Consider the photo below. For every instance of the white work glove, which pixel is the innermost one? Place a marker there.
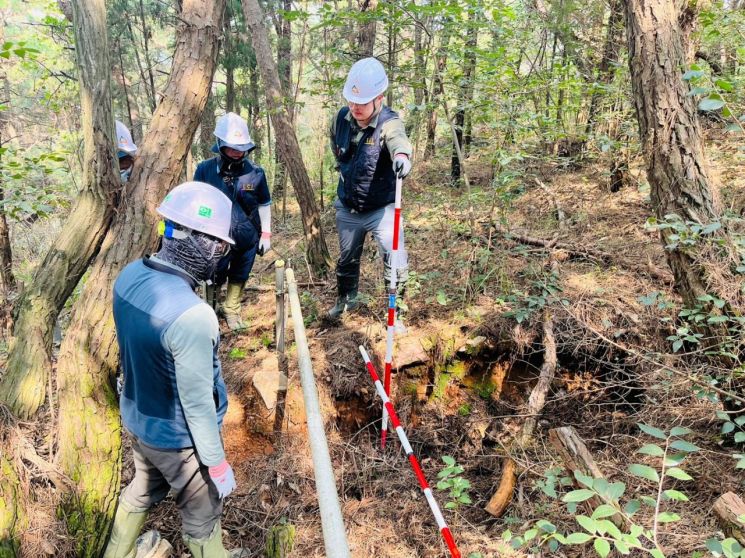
(265, 243)
(401, 165)
(223, 478)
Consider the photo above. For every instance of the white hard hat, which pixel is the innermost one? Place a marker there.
(232, 131)
(124, 142)
(199, 207)
(366, 80)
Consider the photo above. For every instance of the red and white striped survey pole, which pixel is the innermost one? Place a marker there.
(444, 529)
(392, 293)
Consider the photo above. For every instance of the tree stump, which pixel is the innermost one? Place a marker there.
(728, 508)
(280, 540)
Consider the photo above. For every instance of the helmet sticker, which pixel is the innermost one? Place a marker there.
(355, 90)
(205, 211)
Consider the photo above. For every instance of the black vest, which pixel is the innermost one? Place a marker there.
(366, 180)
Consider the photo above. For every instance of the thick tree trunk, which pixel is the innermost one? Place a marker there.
(367, 30)
(12, 518)
(284, 69)
(287, 144)
(88, 433)
(207, 128)
(669, 130)
(465, 95)
(23, 388)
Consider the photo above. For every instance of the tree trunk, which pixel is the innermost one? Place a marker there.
(23, 388)
(12, 518)
(287, 144)
(257, 123)
(207, 128)
(439, 68)
(133, 108)
(89, 427)
(669, 131)
(284, 69)
(465, 94)
(367, 30)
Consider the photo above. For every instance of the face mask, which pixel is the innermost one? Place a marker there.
(195, 253)
(125, 174)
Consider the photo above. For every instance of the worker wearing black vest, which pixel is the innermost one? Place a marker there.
(371, 148)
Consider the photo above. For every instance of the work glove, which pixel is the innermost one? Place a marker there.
(265, 243)
(401, 165)
(223, 478)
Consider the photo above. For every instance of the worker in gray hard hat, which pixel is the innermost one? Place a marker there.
(245, 184)
(371, 149)
(125, 151)
(174, 397)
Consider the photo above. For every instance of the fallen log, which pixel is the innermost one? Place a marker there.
(577, 457)
(728, 509)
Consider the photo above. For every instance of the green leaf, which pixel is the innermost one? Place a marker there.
(651, 449)
(442, 298)
(587, 523)
(449, 461)
(710, 104)
(739, 437)
(673, 459)
(644, 471)
(680, 431)
(602, 547)
(676, 495)
(616, 490)
(724, 85)
(632, 507)
(682, 445)
(604, 510)
(679, 474)
(584, 479)
(546, 526)
(609, 527)
(578, 495)
(622, 547)
(578, 538)
(668, 517)
(530, 534)
(652, 431)
(714, 546)
(648, 501)
(656, 553)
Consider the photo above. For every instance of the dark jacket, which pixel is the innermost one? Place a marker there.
(366, 179)
(247, 188)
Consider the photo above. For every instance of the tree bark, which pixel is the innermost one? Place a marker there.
(207, 128)
(89, 429)
(367, 30)
(727, 509)
(287, 143)
(437, 72)
(669, 131)
(23, 388)
(465, 94)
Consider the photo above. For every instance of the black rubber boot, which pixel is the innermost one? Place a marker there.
(346, 299)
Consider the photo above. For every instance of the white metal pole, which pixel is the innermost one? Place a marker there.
(334, 533)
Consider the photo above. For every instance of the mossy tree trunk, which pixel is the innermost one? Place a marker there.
(287, 143)
(23, 387)
(89, 427)
(11, 515)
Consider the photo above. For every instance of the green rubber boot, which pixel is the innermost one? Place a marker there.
(232, 306)
(127, 524)
(212, 547)
(210, 296)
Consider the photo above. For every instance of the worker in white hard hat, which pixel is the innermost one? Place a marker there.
(371, 149)
(125, 151)
(245, 184)
(174, 397)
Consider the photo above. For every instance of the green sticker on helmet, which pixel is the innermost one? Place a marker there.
(205, 211)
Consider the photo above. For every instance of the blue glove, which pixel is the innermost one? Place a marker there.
(223, 478)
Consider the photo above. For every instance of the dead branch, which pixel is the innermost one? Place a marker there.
(577, 457)
(501, 498)
(537, 398)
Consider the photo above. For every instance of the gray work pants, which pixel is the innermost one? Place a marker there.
(158, 471)
(353, 227)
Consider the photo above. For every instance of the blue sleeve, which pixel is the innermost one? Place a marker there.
(192, 338)
(199, 173)
(263, 197)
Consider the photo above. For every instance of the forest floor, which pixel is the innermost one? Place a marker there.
(464, 370)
